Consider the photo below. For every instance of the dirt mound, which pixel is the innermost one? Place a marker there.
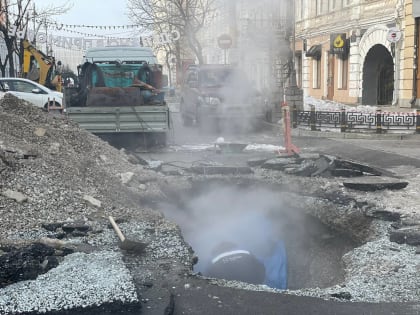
(51, 170)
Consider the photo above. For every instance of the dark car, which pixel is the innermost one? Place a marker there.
(212, 94)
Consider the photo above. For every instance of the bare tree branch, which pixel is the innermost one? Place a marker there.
(188, 17)
(17, 16)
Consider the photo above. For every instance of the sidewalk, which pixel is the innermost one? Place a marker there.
(372, 135)
(386, 150)
(411, 135)
(382, 150)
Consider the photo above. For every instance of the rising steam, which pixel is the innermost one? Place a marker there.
(247, 217)
(261, 50)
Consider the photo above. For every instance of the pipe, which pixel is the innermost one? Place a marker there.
(416, 34)
(396, 91)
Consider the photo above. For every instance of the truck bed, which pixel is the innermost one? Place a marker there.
(125, 119)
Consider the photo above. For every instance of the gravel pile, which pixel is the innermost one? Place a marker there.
(53, 171)
(58, 169)
(378, 271)
(100, 277)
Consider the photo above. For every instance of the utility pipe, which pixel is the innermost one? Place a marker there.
(415, 61)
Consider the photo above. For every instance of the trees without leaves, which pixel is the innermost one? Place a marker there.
(17, 15)
(188, 17)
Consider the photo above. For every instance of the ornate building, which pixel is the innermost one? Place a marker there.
(357, 51)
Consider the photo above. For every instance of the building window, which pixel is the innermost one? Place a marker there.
(335, 4)
(343, 71)
(298, 68)
(316, 73)
(321, 6)
(299, 7)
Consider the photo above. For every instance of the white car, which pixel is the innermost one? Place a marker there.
(32, 92)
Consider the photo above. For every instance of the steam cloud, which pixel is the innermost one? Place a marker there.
(246, 217)
(261, 50)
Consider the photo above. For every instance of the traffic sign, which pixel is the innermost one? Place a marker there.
(394, 35)
(224, 41)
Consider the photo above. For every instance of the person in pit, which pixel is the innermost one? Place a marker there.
(233, 262)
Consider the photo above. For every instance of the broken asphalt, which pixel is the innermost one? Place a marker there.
(385, 151)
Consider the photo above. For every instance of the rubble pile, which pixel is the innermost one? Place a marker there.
(54, 171)
(58, 185)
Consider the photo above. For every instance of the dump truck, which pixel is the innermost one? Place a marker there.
(119, 93)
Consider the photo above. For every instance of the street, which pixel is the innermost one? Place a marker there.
(191, 145)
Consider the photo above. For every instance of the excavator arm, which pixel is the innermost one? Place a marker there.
(39, 67)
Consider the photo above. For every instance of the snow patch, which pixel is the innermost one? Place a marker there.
(263, 147)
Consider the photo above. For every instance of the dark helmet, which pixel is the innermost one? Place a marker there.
(239, 265)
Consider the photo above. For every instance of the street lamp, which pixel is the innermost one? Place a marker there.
(292, 80)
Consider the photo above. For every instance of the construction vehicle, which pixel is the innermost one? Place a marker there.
(40, 67)
(218, 95)
(119, 92)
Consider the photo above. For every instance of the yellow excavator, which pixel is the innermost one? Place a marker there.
(40, 68)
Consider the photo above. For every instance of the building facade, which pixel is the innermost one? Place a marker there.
(357, 51)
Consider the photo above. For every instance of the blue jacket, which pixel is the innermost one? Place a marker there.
(276, 267)
(262, 241)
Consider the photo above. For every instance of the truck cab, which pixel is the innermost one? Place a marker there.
(214, 94)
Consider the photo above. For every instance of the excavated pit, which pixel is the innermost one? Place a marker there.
(211, 213)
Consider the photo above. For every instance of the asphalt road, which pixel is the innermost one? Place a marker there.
(386, 151)
(211, 300)
(202, 298)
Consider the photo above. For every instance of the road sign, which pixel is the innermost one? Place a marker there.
(224, 41)
(394, 35)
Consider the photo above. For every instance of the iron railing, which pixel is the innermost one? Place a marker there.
(348, 121)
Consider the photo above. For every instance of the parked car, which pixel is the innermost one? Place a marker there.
(220, 95)
(32, 92)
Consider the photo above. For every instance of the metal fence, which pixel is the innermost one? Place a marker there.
(348, 121)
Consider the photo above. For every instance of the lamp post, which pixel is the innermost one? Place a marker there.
(290, 148)
(292, 80)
